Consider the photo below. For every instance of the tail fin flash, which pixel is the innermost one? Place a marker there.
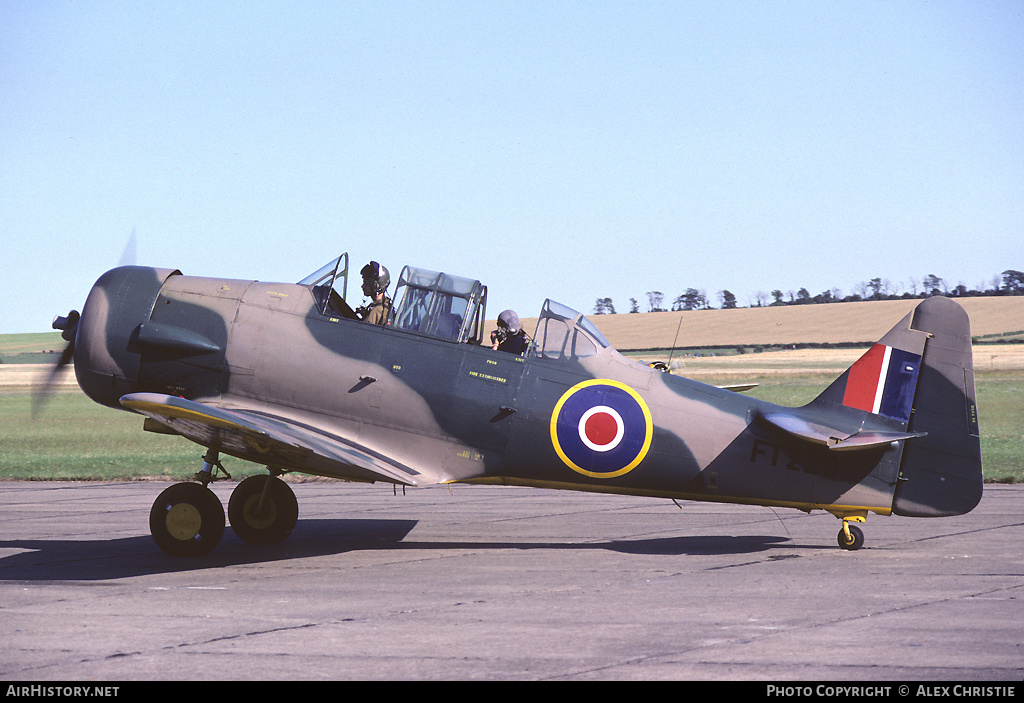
(883, 382)
(920, 378)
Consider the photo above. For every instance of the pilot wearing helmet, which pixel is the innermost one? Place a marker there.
(509, 337)
(375, 283)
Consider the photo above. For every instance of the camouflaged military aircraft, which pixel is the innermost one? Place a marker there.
(289, 377)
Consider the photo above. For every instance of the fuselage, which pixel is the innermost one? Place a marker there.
(572, 414)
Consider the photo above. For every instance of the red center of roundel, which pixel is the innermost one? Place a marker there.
(601, 428)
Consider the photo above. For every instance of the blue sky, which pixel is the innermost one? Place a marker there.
(571, 150)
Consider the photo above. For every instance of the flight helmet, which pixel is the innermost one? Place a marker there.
(376, 279)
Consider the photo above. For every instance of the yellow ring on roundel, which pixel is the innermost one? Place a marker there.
(648, 436)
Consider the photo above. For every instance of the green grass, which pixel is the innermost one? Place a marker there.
(75, 439)
(34, 348)
(1001, 419)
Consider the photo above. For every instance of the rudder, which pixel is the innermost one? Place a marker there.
(940, 473)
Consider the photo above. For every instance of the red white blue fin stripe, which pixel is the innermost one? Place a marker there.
(883, 382)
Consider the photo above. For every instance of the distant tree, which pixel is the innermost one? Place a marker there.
(1013, 282)
(803, 297)
(760, 297)
(692, 299)
(777, 294)
(654, 298)
(633, 305)
(604, 306)
(728, 300)
(933, 285)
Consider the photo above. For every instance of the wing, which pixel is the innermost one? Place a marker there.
(273, 441)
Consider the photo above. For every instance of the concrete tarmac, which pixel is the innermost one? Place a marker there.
(485, 582)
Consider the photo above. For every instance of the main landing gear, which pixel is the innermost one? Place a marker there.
(187, 519)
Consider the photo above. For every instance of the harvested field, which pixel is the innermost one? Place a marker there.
(987, 357)
(837, 323)
(28, 377)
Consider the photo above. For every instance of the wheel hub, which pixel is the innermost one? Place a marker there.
(183, 521)
(257, 518)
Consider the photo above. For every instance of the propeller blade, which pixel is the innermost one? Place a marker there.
(69, 329)
(129, 255)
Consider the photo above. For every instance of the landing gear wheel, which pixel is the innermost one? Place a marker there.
(270, 523)
(854, 542)
(187, 520)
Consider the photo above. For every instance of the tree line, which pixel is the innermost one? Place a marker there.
(1010, 282)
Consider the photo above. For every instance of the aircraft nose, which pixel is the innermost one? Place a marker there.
(106, 353)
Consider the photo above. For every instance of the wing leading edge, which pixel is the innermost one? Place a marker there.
(272, 441)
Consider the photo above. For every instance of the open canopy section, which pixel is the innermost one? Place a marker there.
(564, 333)
(439, 305)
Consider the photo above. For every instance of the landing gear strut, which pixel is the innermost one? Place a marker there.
(851, 537)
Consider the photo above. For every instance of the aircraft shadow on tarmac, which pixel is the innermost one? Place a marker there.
(92, 560)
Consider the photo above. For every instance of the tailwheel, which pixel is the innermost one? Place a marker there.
(187, 520)
(263, 510)
(851, 537)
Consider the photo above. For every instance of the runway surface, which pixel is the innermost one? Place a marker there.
(507, 583)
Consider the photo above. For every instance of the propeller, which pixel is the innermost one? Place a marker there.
(69, 330)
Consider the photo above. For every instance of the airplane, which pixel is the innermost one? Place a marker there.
(290, 377)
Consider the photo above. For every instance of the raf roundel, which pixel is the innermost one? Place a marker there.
(601, 428)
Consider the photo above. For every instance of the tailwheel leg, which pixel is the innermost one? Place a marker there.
(850, 537)
(263, 510)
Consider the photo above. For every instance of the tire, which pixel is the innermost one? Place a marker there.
(187, 520)
(274, 522)
(856, 543)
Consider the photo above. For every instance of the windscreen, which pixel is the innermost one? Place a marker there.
(565, 333)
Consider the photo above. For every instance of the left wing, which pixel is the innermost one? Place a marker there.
(273, 441)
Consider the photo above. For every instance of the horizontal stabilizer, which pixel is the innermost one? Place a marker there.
(834, 438)
(739, 387)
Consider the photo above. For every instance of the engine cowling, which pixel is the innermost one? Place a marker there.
(107, 350)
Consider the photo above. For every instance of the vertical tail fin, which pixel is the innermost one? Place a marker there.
(920, 378)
